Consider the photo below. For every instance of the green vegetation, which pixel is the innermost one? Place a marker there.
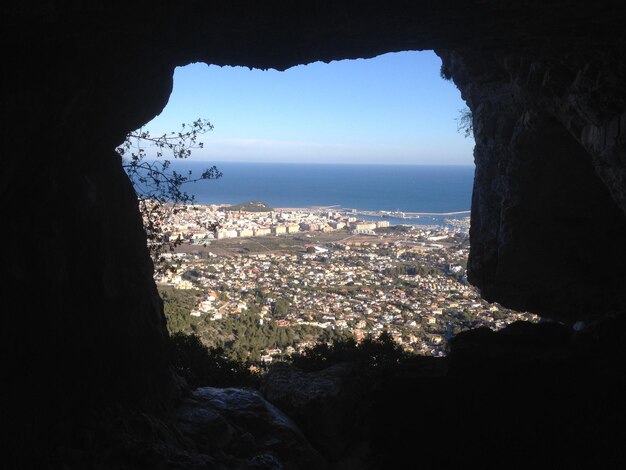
(243, 337)
(223, 352)
(219, 353)
(202, 366)
(177, 305)
(192, 274)
(250, 206)
(280, 308)
(411, 269)
(251, 336)
(246, 336)
(371, 353)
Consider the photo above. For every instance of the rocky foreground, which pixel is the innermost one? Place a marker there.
(523, 397)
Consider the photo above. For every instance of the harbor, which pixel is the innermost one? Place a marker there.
(406, 215)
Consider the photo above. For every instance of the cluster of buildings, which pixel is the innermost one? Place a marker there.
(198, 223)
(412, 285)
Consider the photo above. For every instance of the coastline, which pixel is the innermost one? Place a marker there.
(410, 214)
(379, 213)
(452, 219)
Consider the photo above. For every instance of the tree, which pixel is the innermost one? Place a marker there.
(159, 188)
(371, 354)
(280, 308)
(465, 122)
(202, 366)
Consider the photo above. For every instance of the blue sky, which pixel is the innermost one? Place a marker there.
(394, 108)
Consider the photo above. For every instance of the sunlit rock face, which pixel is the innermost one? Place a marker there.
(543, 79)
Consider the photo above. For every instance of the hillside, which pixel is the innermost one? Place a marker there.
(250, 206)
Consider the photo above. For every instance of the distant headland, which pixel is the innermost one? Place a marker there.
(250, 206)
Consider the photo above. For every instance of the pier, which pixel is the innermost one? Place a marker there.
(405, 215)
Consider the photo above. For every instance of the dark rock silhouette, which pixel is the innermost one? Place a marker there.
(545, 83)
(530, 396)
(547, 218)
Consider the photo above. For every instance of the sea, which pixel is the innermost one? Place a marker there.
(393, 188)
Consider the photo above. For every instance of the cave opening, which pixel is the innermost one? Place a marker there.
(335, 152)
(545, 84)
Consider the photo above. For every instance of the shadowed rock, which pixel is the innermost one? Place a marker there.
(240, 429)
(544, 80)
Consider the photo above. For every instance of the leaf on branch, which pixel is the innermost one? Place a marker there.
(158, 188)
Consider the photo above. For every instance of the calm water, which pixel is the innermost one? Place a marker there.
(409, 188)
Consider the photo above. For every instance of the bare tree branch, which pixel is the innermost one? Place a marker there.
(465, 123)
(160, 189)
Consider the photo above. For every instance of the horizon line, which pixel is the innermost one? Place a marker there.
(328, 163)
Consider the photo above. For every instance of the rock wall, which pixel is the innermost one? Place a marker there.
(544, 80)
(547, 211)
(83, 325)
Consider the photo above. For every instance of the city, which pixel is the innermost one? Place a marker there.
(329, 271)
